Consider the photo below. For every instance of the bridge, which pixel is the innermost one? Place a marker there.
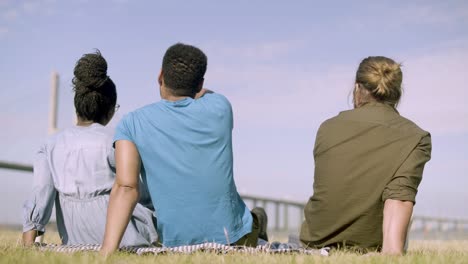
(285, 216)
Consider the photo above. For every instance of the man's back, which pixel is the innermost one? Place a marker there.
(186, 152)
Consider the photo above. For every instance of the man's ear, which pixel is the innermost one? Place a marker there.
(160, 78)
(200, 86)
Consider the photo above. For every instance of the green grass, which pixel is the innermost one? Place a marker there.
(419, 252)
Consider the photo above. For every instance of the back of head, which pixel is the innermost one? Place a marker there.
(95, 92)
(183, 69)
(382, 78)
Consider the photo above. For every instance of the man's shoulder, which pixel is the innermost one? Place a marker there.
(142, 111)
(214, 102)
(149, 107)
(212, 96)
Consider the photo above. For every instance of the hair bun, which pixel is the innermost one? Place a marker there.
(389, 74)
(90, 71)
(382, 77)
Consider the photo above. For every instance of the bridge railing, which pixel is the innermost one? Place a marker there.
(283, 215)
(287, 216)
(421, 226)
(15, 166)
(430, 224)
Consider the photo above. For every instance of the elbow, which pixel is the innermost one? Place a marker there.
(130, 192)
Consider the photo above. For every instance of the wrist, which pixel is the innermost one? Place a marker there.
(106, 250)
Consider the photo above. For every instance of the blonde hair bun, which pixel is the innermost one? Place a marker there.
(382, 77)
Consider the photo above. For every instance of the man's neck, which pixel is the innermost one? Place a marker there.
(173, 98)
(168, 96)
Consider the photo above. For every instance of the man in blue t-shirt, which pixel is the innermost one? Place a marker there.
(182, 146)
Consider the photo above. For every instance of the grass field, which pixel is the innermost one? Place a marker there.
(419, 252)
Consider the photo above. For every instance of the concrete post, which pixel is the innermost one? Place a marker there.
(53, 103)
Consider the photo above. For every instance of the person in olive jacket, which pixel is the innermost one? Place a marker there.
(369, 162)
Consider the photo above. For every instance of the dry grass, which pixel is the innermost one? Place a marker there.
(419, 252)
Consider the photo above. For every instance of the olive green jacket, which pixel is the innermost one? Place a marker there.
(362, 157)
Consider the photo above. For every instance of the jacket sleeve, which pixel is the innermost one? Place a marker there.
(37, 209)
(404, 184)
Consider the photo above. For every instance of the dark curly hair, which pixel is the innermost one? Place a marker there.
(183, 69)
(95, 92)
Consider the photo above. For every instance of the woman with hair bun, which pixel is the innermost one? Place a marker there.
(75, 168)
(369, 162)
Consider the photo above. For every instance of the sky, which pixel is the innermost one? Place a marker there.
(285, 66)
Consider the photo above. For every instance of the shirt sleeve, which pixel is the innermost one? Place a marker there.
(223, 103)
(404, 184)
(111, 159)
(231, 114)
(38, 207)
(124, 129)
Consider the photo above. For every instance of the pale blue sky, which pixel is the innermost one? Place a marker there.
(285, 66)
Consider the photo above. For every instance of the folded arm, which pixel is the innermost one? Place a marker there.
(124, 195)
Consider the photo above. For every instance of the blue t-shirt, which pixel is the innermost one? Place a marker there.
(186, 152)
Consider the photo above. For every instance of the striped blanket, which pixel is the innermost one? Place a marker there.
(269, 248)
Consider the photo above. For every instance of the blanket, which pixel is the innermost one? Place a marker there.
(269, 248)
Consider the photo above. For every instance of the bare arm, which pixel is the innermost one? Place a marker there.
(397, 216)
(124, 195)
(400, 195)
